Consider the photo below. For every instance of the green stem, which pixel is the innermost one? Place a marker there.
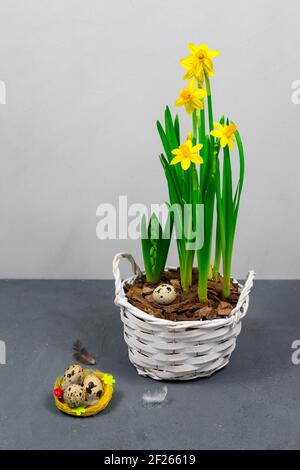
(202, 275)
(185, 281)
(228, 220)
(226, 276)
(218, 250)
(202, 291)
(209, 103)
(186, 269)
(201, 124)
(204, 255)
(194, 126)
(186, 265)
(202, 127)
(202, 140)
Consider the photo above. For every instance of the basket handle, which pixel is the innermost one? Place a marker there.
(246, 290)
(116, 270)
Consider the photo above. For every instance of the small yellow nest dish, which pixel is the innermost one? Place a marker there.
(107, 391)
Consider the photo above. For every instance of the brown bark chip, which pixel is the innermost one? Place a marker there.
(176, 283)
(146, 290)
(224, 309)
(186, 306)
(203, 312)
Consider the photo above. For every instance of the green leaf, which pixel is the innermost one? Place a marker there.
(220, 209)
(227, 193)
(146, 246)
(174, 188)
(164, 141)
(155, 246)
(177, 129)
(241, 178)
(170, 131)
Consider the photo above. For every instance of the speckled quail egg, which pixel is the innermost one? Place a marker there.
(73, 375)
(92, 388)
(74, 395)
(164, 294)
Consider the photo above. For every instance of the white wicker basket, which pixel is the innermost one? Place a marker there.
(182, 350)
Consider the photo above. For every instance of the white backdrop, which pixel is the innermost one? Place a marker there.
(85, 82)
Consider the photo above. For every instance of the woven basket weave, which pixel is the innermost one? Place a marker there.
(182, 350)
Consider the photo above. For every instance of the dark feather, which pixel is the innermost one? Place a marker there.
(82, 355)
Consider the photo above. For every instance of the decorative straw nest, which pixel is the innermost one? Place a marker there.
(107, 391)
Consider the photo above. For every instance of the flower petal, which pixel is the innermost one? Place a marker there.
(203, 47)
(230, 144)
(186, 62)
(218, 125)
(189, 74)
(200, 93)
(176, 160)
(179, 102)
(196, 159)
(188, 144)
(217, 134)
(185, 163)
(197, 103)
(224, 141)
(196, 148)
(208, 65)
(192, 47)
(192, 86)
(189, 107)
(213, 53)
(176, 152)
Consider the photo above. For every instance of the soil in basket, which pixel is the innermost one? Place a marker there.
(186, 306)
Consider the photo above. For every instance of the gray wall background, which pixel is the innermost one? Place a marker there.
(86, 81)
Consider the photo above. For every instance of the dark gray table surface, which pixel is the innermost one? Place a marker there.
(251, 404)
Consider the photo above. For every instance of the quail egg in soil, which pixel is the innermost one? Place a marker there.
(164, 294)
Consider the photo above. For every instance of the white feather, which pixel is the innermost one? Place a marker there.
(155, 398)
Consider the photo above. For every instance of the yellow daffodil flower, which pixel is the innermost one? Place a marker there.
(225, 134)
(199, 63)
(186, 153)
(191, 97)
